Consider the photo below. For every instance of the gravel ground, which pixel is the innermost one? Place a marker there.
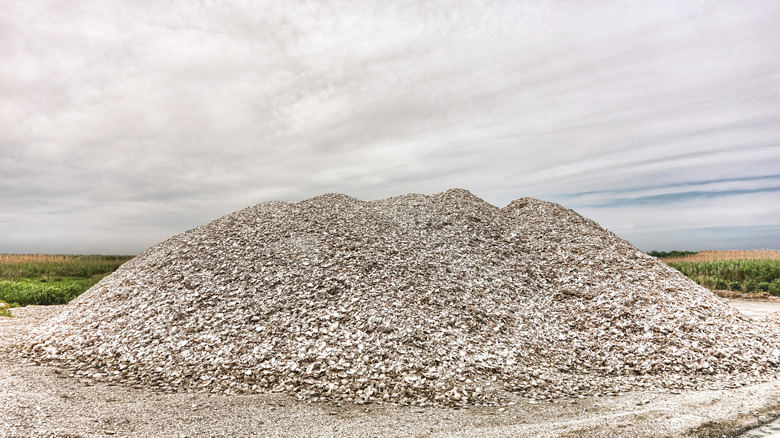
(755, 309)
(41, 401)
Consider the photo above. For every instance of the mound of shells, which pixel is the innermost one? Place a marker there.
(441, 299)
(771, 320)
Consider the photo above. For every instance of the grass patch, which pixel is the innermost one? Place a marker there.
(51, 279)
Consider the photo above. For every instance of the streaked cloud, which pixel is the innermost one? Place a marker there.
(122, 123)
(682, 192)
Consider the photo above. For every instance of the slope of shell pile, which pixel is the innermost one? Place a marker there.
(440, 299)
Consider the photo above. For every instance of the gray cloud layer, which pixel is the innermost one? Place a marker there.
(124, 122)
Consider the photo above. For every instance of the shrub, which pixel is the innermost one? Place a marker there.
(5, 309)
(774, 288)
(764, 286)
(37, 293)
(719, 283)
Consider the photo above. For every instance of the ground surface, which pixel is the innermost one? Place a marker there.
(42, 401)
(755, 308)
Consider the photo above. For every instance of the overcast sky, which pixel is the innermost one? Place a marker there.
(123, 123)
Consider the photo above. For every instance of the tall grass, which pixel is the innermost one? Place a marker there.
(15, 266)
(51, 279)
(742, 275)
(23, 294)
(713, 256)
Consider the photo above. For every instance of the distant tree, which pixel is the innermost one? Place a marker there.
(667, 254)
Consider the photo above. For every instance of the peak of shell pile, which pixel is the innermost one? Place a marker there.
(422, 300)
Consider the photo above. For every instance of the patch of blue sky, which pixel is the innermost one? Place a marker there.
(709, 238)
(680, 196)
(673, 192)
(675, 185)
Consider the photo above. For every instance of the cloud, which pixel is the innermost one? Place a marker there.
(125, 122)
(682, 192)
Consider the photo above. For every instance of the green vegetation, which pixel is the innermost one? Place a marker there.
(51, 279)
(667, 254)
(743, 275)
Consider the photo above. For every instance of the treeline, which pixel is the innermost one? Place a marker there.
(668, 254)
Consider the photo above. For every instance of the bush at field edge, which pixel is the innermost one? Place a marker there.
(25, 294)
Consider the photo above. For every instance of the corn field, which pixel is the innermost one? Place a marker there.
(740, 271)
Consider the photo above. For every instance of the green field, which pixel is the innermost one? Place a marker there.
(51, 279)
(739, 271)
(735, 275)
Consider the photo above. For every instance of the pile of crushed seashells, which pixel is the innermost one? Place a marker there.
(418, 300)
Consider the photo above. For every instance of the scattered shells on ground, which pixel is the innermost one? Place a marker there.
(419, 300)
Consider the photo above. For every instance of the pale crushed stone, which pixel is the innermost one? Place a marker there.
(40, 401)
(420, 300)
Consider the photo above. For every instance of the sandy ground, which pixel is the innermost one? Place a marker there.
(755, 308)
(42, 402)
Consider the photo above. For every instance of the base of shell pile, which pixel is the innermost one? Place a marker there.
(421, 300)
